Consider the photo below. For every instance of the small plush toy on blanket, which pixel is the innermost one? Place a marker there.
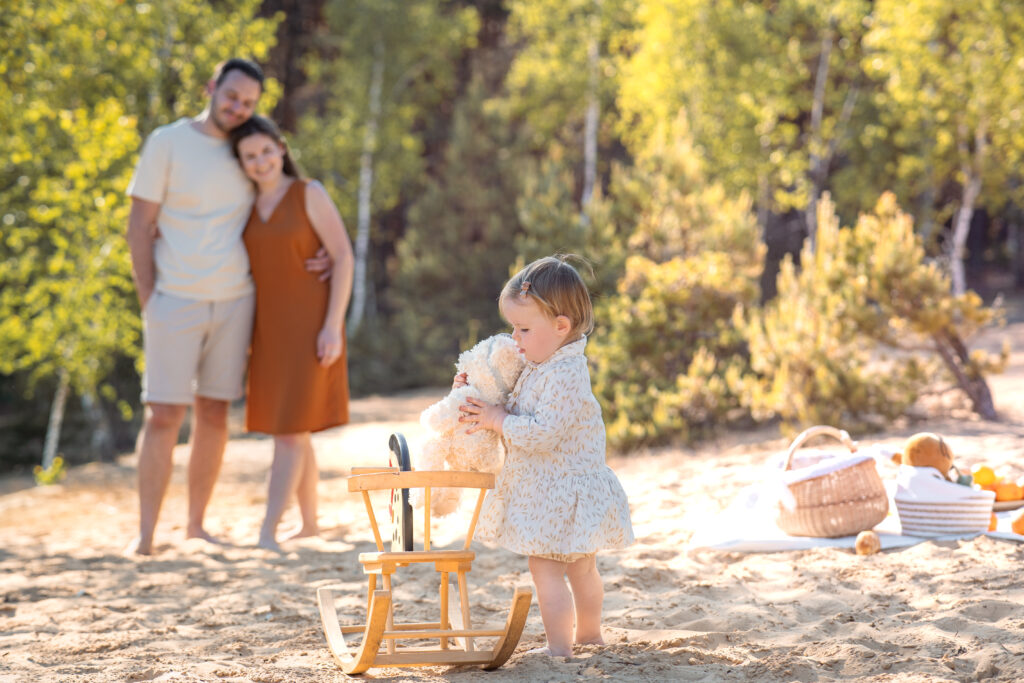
(492, 368)
(925, 449)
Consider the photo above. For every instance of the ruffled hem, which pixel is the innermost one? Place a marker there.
(580, 514)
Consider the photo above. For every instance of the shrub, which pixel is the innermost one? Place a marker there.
(668, 356)
(863, 328)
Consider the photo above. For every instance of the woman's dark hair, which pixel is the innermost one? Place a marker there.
(248, 67)
(261, 125)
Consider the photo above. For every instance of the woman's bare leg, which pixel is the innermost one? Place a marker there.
(306, 493)
(285, 473)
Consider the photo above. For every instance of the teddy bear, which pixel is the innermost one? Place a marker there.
(492, 367)
(925, 449)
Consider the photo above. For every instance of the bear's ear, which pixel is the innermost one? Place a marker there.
(502, 344)
(945, 451)
(897, 458)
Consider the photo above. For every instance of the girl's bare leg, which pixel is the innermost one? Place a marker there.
(555, 603)
(587, 597)
(306, 493)
(285, 472)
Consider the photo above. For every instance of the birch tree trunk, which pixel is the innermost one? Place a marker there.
(362, 245)
(816, 147)
(60, 399)
(593, 114)
(971, 169)
(961, 228)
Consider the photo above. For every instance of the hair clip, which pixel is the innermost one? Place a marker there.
(525, 289)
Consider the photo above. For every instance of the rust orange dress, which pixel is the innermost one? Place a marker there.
(289, 391)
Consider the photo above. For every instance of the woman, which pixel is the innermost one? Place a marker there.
(298, 376)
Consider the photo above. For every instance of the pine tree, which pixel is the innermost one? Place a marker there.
(863, 328)
(668, 356)
(457, 250)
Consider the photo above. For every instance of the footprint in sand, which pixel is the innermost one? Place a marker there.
(991, 610)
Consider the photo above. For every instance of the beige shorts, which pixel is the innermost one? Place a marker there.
(195, 348)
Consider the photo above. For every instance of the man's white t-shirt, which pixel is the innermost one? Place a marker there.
(205, 200)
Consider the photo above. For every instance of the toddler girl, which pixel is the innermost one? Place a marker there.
(555, 499)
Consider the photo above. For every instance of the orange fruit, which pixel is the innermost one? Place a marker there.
(993, 522)
(1018, 525)
(983, 475)
(1008, 491)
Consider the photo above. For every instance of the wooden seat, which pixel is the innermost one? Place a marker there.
(444, 560)
(380, 643)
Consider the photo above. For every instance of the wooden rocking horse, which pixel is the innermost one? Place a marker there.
(378, 644)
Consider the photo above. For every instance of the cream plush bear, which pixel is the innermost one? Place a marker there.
(492, 368)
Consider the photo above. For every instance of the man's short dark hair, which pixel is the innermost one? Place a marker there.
(246, 66)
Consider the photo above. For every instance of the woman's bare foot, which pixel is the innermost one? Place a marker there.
(303, 532)
(269, 543)
(137, 547)
(591, 641)
(201, 534)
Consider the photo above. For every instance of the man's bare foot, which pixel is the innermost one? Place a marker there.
(591, 641)
(137, 547)
(303, 532)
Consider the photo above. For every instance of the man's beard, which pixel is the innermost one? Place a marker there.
(224, 128)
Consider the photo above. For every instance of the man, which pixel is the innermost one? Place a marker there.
(190, 203)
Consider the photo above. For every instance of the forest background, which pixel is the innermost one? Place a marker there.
(793, 211)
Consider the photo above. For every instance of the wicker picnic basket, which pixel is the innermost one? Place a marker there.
(842, 502)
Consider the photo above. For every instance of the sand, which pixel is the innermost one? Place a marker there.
(73, 608)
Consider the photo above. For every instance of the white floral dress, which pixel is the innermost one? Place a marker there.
(555, 495)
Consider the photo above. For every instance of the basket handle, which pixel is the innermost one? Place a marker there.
(840, 435)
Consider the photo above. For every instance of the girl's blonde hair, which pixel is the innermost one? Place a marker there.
(558, 290)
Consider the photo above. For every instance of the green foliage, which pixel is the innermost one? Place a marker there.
(386, 70)
(745, 73)
(951, 100)
(65, 260)
(80, 84)
(667, 352)
(548, 83)
(418, 44)
(708, 112)
(53, 474)
(551, 223)
(856, 335)
(457, 250)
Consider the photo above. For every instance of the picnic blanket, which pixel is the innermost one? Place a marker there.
(748, 524)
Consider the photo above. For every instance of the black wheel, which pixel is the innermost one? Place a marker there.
(400, 508)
